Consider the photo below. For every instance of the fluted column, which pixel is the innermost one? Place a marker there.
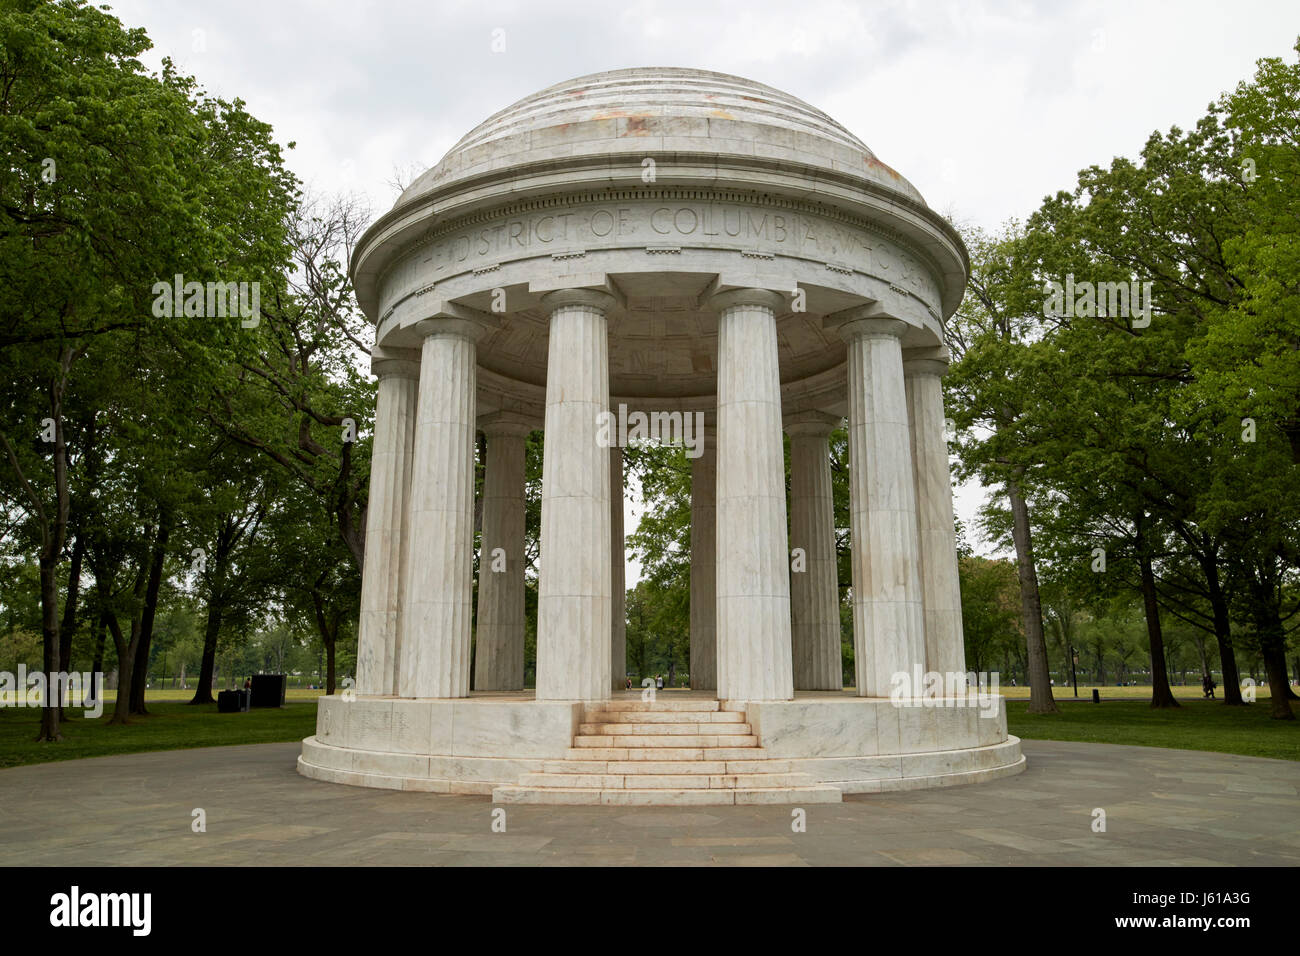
(574, 603)
(704, 594)
(814, 591)
(499, 637)
(390, 482)
(888, 625)
(618, 584)
(753, 575)
(435, 624)
(923, 370)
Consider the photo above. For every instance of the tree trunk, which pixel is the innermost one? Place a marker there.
(328, 635)
(147, 615)
(97, 665)
(330, 669)
(52, 552)
(203, 690)
(50, 629)
(1040, 684)
(1275, 668)
(1272, 644)
(1161, 695)
(125, 658)
(1272, 638)
(1223, 634)
(68, 626)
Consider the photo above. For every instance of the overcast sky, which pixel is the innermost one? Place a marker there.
(985, 107)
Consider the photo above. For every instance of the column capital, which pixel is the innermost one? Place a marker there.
(933, 360)
(870, 320)
(446, 325)
(814, 423)
(754, 298)
(507, 423)
(591, 298)
(452, 318)
(395, 363)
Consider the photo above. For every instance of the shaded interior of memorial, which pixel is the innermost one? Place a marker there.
(642, 666)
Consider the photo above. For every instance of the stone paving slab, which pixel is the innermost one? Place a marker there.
(1163, 808)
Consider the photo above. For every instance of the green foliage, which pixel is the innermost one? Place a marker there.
(990, 613)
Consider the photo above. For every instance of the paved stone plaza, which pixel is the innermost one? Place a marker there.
(1164, 807)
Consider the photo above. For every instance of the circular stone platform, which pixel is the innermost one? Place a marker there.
(489, 743)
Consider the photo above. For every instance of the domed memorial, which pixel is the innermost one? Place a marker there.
(682, 255)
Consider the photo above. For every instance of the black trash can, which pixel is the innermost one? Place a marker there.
(232, 701)
(269, 689)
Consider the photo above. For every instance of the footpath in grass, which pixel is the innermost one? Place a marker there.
(169, 726)
(1194, 725)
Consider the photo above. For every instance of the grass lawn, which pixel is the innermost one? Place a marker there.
(169, 726)
(1195, 725)
(176, 693)
(173, 725)
(1136, 692)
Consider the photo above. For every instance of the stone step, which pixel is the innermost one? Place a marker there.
(662, 729)
(601, 716)
(579, 765)
(638, 766)
(660, 704)
(688, 766)
(666, 740)
(593, 796)
(608, 781)
(664, 753)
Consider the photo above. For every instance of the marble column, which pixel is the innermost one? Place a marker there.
(753, 570)
(704, 648)
(390, 482)
(439, 583)
(574, 611)
(888, 625)
(499, 637)
(923, 371)
(814, 591)
(618, 585)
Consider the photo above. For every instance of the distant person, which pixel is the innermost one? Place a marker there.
(629, 683)
(659, 682)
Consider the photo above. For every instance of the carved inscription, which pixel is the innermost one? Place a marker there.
(655, 225)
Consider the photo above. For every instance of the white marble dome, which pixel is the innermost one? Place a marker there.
(660, 109)
(682, 135)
